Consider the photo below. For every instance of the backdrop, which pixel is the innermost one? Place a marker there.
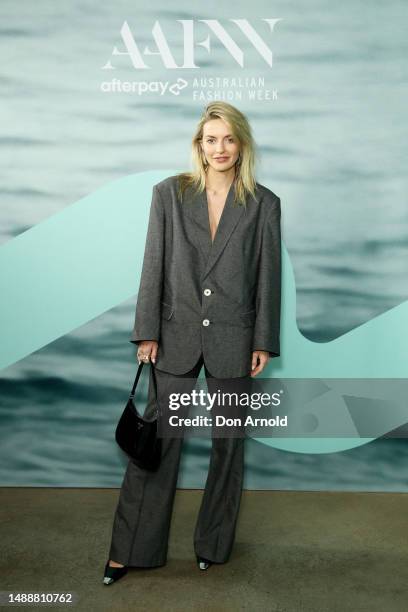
(99, 102)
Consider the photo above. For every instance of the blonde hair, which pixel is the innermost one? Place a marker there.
(245, 182)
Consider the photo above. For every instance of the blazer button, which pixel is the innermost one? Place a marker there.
(206, 322)
(207, 291)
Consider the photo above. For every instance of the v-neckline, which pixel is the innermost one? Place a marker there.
(212, 240)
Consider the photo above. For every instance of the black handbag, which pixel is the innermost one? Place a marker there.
(136, 436)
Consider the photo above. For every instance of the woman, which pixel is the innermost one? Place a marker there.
(209, 296)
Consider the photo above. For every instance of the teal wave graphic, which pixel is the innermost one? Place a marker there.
(79, 263)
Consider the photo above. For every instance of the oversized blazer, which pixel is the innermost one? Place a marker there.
(220, 299)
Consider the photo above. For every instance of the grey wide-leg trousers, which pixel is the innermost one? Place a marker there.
(142, 519)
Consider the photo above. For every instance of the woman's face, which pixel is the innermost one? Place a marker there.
(220, 147)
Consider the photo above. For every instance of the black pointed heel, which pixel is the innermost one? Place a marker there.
(203, 564)
(113, 574)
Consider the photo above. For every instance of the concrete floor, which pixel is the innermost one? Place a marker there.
(294, 552)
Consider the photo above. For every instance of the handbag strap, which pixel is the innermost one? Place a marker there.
(138, 373)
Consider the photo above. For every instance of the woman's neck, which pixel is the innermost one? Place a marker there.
(219, 182)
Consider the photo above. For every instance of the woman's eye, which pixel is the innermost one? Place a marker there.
(211, 140)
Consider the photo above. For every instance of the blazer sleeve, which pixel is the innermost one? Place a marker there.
(268, 293)
(148, 305)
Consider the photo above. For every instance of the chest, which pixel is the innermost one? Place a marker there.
(215, 207)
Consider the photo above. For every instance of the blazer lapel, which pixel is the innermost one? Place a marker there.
(198, 211)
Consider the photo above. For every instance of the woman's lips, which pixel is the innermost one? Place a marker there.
(221, 159)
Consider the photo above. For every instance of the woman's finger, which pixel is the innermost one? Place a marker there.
(153, 354)
(262, 358)
(143, 354)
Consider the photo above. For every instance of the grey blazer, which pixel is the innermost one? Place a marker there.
(221, 298)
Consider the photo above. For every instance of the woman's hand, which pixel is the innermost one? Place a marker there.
(147, 351)
(259, 361)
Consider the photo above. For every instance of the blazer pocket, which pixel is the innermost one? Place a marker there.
(166, 311)
(248, 318)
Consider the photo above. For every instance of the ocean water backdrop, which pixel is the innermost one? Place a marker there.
(333, 146)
